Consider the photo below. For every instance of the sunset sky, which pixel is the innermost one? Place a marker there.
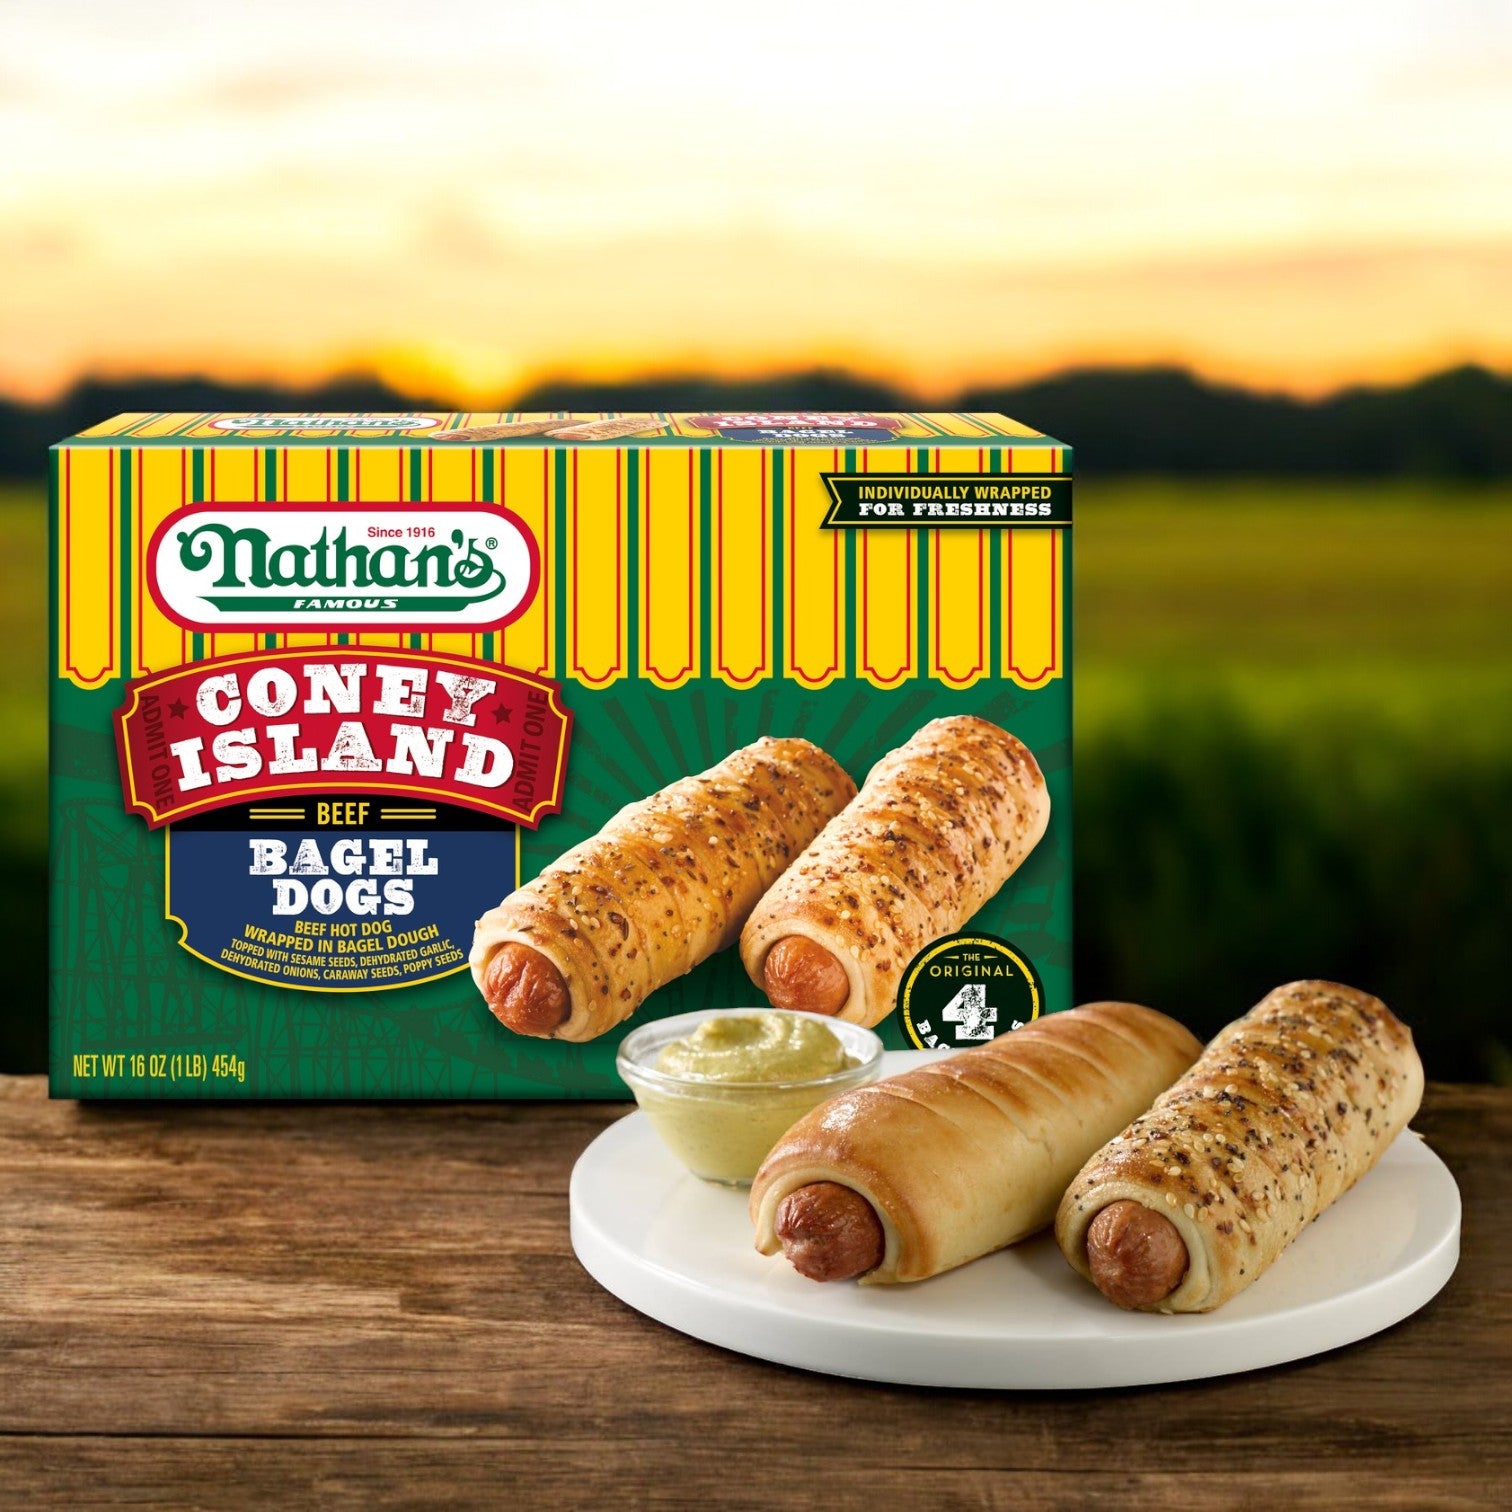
(467, 197)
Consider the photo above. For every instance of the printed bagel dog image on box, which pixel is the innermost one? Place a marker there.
(428, 755)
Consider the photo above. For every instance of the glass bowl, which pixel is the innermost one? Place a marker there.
(723, 1130)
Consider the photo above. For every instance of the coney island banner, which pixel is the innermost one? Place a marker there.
(328, 690)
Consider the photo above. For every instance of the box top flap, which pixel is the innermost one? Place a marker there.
(560, 428)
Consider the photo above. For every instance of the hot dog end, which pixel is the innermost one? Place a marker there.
(830, 1232)
(524, 991)
(801, 975)
(1136, 1255)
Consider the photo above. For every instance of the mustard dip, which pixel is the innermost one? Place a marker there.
(754, 1047)
(743, 1080)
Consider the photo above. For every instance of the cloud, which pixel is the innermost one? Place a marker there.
(279, 89)
(18, 88)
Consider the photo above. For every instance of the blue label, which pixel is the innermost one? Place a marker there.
(336, 908)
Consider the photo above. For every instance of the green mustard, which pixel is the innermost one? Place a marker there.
(754, 1047)
(735, 1101)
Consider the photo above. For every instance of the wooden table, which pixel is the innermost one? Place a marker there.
(283, 1305)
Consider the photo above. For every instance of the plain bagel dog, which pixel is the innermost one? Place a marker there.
(1287, 1109)
(915, 1175)
(939, 825)
(668, 881)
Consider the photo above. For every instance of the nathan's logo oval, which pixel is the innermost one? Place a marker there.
(465, 567)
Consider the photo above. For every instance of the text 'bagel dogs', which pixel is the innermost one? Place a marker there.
(912, 1176)
(668, 881)
(1285, 1111)
(938, 826)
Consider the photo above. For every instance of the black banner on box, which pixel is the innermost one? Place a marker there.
(935, 501)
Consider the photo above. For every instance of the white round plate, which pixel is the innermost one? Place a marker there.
(680, 1251)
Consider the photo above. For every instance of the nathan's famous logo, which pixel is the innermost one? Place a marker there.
(278, 567)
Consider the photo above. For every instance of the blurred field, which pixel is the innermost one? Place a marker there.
(1394, 600)
(1294, 750)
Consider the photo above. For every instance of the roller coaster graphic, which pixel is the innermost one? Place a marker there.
(119, 983)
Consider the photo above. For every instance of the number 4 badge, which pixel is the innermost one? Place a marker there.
(970, 1009)
(943, 999)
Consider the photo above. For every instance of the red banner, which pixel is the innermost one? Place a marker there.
(342, 719)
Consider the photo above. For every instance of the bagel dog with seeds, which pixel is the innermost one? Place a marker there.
(1285, 1111)
(938, 827)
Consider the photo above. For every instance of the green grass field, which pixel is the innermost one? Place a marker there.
(1294, 749)
(1292, 597)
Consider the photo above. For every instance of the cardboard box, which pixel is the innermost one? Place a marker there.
(326, 688)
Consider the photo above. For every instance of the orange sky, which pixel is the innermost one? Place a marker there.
(466, 197)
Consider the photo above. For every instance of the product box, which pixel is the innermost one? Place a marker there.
(424, 755)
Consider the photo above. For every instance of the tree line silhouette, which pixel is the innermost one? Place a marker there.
(1454, 424)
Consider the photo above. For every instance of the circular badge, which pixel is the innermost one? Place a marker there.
(966, 989)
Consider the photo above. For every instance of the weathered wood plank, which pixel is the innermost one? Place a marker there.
(70, 1472)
